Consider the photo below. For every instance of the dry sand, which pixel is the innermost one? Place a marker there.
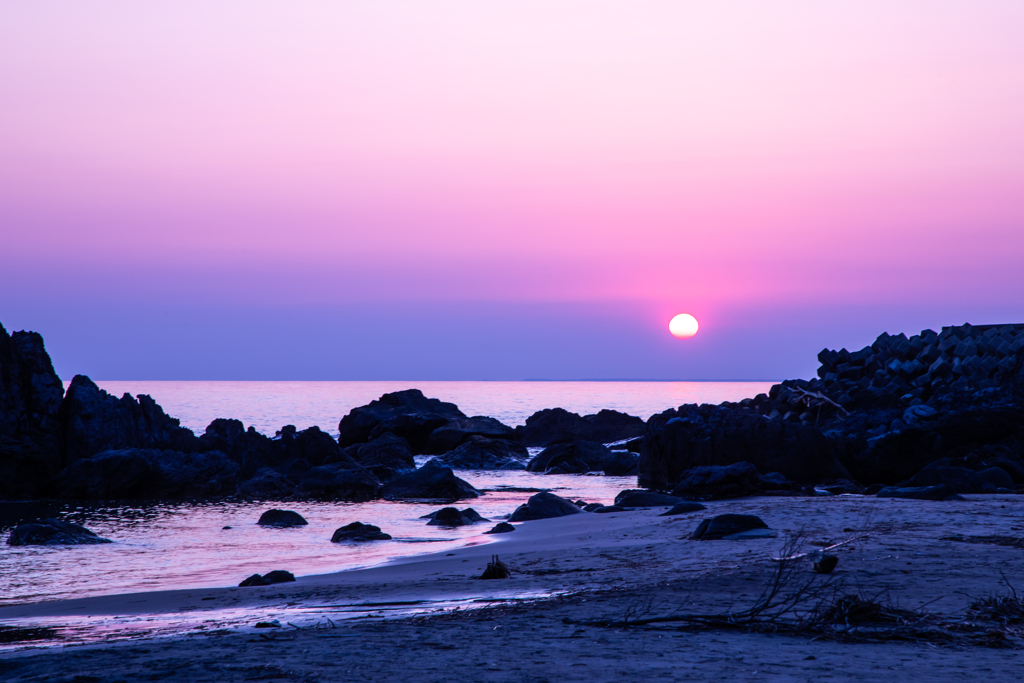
(354, 626)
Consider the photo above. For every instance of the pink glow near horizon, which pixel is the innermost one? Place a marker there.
(726, 153)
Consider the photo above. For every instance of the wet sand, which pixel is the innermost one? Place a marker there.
(360, 625)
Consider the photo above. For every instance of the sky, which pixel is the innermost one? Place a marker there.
(331, 190)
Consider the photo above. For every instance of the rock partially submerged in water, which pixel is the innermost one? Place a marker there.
(411, 415)
(281, 518)
(432, 481)
(501, 528)
(357, 531)
(338, 482)
(53, 532)
(387, 450)
(577, 457)
(731, 527)
(276, 576)
(267, 483)
(544, 505)
(482, 453)
(557, 425)
(640, 498)
(454, 517)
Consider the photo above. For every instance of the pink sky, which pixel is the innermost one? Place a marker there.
(707, 157)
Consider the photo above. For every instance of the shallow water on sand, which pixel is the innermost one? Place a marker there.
(170, 546)
(268, 406)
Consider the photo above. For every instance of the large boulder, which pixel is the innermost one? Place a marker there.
(577, 457)
(148, 474)
(729, 527)
(716, 482)
(544, 505)
(482, 453)
(387, 450)
(53, 532)
(337, 481)
(30, 396)
(557, 425)
(93, 421)
(454, 517)
(267, 484)
(281, 518)
(459, 430)
(415, 415)
(359, 533)
(432, 481)
(700, 436)
(959, 480)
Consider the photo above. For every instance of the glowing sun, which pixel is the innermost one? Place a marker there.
(683, 326)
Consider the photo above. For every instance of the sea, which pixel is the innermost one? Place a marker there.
(161, 546)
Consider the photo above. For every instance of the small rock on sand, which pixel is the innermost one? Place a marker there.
(731, 527)
(501, 528)
(544, 505)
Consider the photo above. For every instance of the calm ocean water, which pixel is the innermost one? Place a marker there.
(170, 546)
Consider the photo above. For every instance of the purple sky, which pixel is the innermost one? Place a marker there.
(509, 190)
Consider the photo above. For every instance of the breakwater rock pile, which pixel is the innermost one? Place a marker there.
(949, 402)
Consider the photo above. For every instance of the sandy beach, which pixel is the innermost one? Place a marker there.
(428, 617)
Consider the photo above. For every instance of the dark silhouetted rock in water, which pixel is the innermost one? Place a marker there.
(338, 482)
(501, 528)
(387, 450)
(544, 505)
(496, 569)
(939, 492)
(714, 482)
(482, 453)
(683, 508)
(357, 531)
(276, 576)
(281, 518)
(725, 527)
(267, 483)
(459, 430)
(639, 498)
(148, 473)
(53, 532)
(93, 421)
(30, 396)
(433, 481)
(578, 457)
(454, 517)
(557, 425)
(426, 415)
(621, 464)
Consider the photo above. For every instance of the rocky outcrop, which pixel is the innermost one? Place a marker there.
(337, 481)
(137, 473)
(544, 505)
(459, 430)
(633, 498)
(729, 528)
(53, 532)
(267, 484)
(276, 576)
(30, 396)
(387, 450)
(557, 425)
(360, 533)
(408, 414)
(281, 518)
(501, 528)
(433, 481)
(453, 517)
(578, 457)
(482, 453)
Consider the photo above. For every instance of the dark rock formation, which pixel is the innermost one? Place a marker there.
(940, 492)
(53, 532)
(716, 482)
(454, 517)
(387, 450)
(544, 505)
(609, 508)
(496, 569)
(638, 498)
(501, 528)
(267, 484)
(557, 425)
(276, 576)
(415, 417)
(359, 532)
(958, 479)
(148, 474)
(482, 453)
(578, 457)
(683, 508)
(726, 527)
(338, 481)
(281, 518)
(432, 481)
(459, 430)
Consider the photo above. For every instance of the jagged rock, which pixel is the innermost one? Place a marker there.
(267, 483)
(53, 532)
(311, 445)
(557, 425)
(712, 483)
(453, 517)
(149, 474)
(940, 492)
(729, 527)
(419, 414)
(496, 569)
(458, 431)
(359, 532)
(578, 457)
(93, 421)
(386, 450)
(683, 508)
(433, 481)
(698, 436)
(281, 518)
(501, 528)
(338, 482)
(638, 498)
(544, 505)
(481, 453)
